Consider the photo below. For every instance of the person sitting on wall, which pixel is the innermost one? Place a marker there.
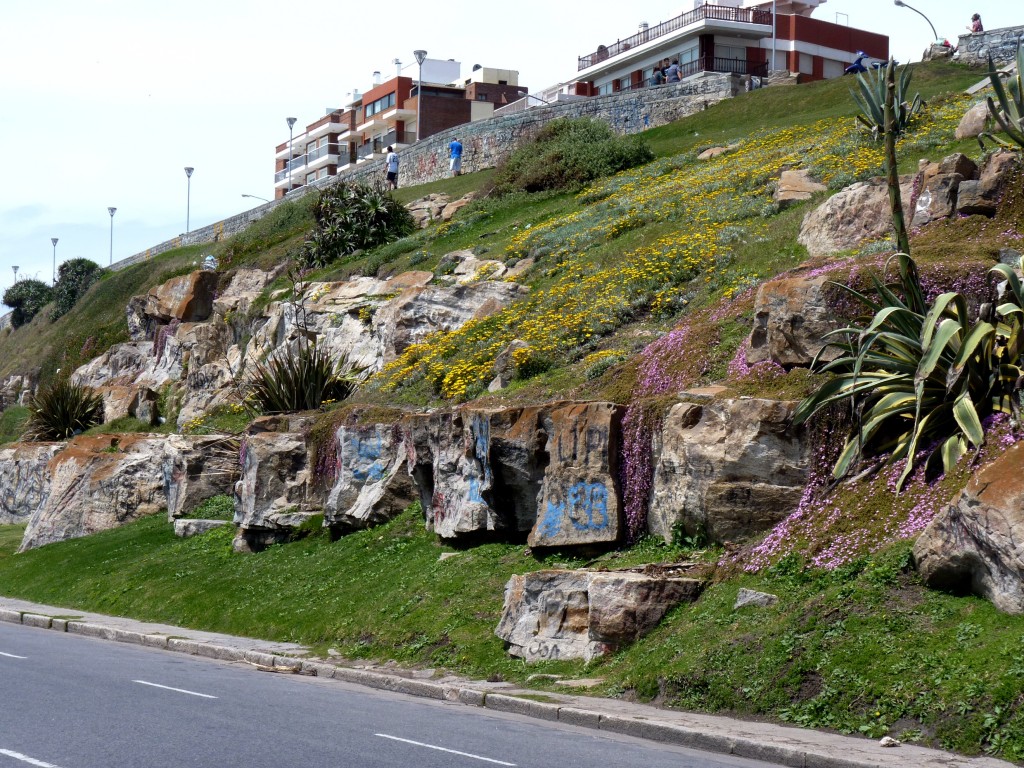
(392, 167)
(975, 26)
(455, 153)
(659, 77)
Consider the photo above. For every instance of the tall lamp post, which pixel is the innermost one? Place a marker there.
(188, 197)
(15, 273)
(420, 56)
(54, 241)
(901, 4)
(291, 125)
(111, 210)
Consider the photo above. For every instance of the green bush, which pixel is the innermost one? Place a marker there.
(62, 410)
(288, 382)
(567, 154)
(74, 277)
(352, 216)
(26, 298)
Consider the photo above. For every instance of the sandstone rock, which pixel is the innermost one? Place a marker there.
(473, 270)
(982, 197)
(584, 614)
(188, 298)
(853, 216)
(974, 121)
(504, 365)
(791, 318)
(711, 152)
(580, 500)
(96, 483)
(727, 470)
(795, 187)
(270, 497)
(24, 479)
(243, 288)
(456, 205)
(428, 209)
(187, 528)
(196, 468)
(975, 543)
(372, 484)
(746, 597)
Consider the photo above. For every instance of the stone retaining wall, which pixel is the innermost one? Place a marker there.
(1000, 43)
(487, 142)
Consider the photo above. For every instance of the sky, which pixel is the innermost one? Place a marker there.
(104, 103)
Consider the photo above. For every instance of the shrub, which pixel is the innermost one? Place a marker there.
(352, 216)
(1010, 112)
(62, 410)
(567, 154)
(74, 277)
(872, 96)
(289, 382)
(26, 298)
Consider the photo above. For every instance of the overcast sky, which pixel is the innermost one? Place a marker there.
(103, 103)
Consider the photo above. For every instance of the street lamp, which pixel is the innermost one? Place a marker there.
(188, 197)
(291, 124)
(901, 4)
(256, 197)
(111, 210)
(54, 241)
(420, 56)
(15, 273)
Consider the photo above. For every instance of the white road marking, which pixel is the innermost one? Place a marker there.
(179, 690)
(26, 758)
(12, 656)
(442, 749)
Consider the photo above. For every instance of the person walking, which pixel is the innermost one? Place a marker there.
(392, 166)
(455, 153)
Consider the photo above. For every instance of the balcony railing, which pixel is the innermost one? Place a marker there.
(316, 154)
(381, 143)
(705, 12)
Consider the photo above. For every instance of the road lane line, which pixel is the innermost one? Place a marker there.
(12, 656)
(442, 749)
(179, 690)
(27, 759)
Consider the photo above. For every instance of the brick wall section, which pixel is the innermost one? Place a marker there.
(487, 142)
(1001, 43)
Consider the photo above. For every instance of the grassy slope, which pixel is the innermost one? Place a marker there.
(863, 648)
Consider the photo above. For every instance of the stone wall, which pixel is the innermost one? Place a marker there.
(1000, 43)
(487, 142)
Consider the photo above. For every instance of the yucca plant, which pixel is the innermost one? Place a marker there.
(1010, 112)
(871, 99)
(62, 410)
(921, 378)
(288, 382)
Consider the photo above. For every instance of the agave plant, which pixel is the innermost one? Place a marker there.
(62, 410)
(871, 99)
(920, 378)
(1010, 112)
(303, 381)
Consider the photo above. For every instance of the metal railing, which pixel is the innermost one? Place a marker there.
(326, 149)
(712, 12)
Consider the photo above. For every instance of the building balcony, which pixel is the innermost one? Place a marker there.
(325, 155)
(729, 18)
(296, 165)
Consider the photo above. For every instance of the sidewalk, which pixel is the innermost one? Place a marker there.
(795, 747)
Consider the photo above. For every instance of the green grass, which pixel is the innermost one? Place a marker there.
(12, 423)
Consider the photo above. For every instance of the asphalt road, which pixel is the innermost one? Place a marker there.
(75, 702)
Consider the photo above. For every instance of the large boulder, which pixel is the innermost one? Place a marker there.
(796, 186)
(791, 319)
(938, 187)
(855, 215)
(197, 468)
(561, 614)
(982, 196)
(974, 121)
(976, 544)
(24, 479)
(188, 299)
(726, 470)
(97, 483)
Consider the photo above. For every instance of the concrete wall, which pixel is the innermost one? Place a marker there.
(1000, 43)
(488, 142)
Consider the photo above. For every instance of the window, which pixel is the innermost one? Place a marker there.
(688, 55)
(624, 83)
(310, 178)
(604, 90)
(730, 52)
(806, 64)
(384, 102)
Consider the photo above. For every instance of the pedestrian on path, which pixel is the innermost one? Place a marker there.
(455, 153)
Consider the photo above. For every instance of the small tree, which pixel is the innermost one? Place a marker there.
(26, 298)
(74, 277)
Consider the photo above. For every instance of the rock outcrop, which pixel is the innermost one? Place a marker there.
(24, 479)
(796, 186)
(853, 216)
(976, 544)
(791, 319)
(196, 468)
(559, 614)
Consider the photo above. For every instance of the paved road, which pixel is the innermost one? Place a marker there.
(76, 702)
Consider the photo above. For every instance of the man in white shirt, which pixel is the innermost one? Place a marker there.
(392, 163)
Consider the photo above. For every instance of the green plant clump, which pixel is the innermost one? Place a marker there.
(62, 410)
(287, 383)
(26, 298)
(872, 96)
(74, 277)
(12, 423)
(1010, 113)
(567, 154)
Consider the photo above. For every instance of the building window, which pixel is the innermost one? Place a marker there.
(310, 178)
(688, 55)
(384, 102)
(806, 64)
(604, 90)
(624, 83)
(730, 52)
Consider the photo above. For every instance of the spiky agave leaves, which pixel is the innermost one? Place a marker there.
(871, 99)
(1010, 112)
(62, 410)
(920, 377)
(302, 380)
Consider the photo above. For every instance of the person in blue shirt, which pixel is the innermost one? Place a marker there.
(455, 153)
(392, 163)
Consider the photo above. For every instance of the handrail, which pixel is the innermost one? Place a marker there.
(713, 12)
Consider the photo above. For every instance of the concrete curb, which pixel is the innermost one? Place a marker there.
(796, 748)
